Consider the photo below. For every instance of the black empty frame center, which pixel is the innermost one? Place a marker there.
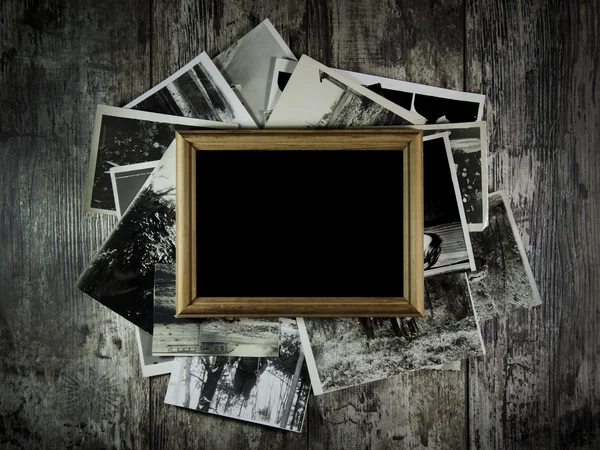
(299, 223)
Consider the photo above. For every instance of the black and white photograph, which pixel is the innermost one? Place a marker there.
(268, 391)
(468, 142)
(151, 365)
(206, 337)
(127, 181)
(503, 281)
(319, 97)
(437, 105)
(341, 353)
(447, 246)
(282, 72)
(197, 90)
(124, 136)
(248, 66)
(121, 274)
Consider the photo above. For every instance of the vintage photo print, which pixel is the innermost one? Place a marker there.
(319, 97)
(248, 65)
(341, 353)
(206, 337)
(469, 145)
(121, 274)
(127, 181)
(503, 281)
(281, 75)
(124, 136)
(437, 105)
(151, 365)
(268, 391)
(447, 244)
(197, 90)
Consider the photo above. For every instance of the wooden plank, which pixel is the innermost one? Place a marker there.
(539, 385)
(419, 42)
(69, 370)
(182, 30)
(424, 409)
(411, 40)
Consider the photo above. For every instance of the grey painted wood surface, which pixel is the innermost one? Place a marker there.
(69, 375)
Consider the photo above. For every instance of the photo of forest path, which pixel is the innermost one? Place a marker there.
(269, 391)
(232, 337)
(453, 256)
(348, 352)
(503, 281)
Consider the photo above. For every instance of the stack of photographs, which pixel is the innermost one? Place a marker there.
(262, 370)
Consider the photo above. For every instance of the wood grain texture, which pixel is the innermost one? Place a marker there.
(410, 40)
(539, 385)
(69, 375)
(423, 409)
(69, 371)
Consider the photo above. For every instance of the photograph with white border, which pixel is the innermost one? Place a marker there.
(319, 97)
(469, 145)
(267, 391)
(504, 280)
(342, 353)
(121, 274)
(247, 66)
(125, 136)
(151, 365)
(197, 90)
(281, 75)
(447, 246)
(205, 337)
(127, 181)
(436, 105)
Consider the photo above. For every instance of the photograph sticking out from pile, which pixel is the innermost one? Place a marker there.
(468, 142)
(206, 337)
(127, 181)
(268, 391)
(503, 281)
(436, 105)
(151, 365)
(121, 274)
(342, 353)
(282, 73)
(197, 90)
(124, 136)
(319, 97)
(248, 66)
(447, 243)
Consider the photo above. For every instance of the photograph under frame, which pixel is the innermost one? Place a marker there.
(191, 255)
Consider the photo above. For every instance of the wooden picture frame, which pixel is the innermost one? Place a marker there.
(191, 144)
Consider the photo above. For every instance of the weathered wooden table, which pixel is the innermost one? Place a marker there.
(69, 373)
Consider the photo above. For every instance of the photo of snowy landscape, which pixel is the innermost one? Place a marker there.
(269, 391)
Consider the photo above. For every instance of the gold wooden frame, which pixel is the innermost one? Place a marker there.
(408, 141)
